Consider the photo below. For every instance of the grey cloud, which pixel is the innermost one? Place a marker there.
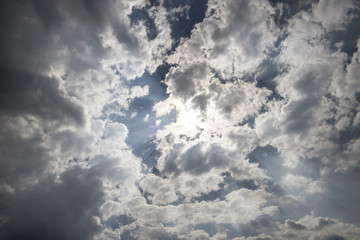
(341, 199)
(310, 83)
(48, 49)
(293, 225)
(48, 13)
(216, 179)
(209, 228)
(182, 82)
(334, 237)
(301, 115)
(170, 165)
(245, 28)
(28, 93)
(229, 101)
(269, 159)
(323, 222)
(123, 36)
(340, 13)
(240, 12)
(155, 233)
(34, 44)
(21, 158)
(195, 160)
(53, 209)
(30, 50)
(91, 15)
(201, 101)
(260, 238)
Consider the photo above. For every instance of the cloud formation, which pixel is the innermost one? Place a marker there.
(193, 120)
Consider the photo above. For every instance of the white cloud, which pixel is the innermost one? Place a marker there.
(333, 15)
(68, 71)
(312, 227)
(302, 184)
(161, 190)
(233, 38)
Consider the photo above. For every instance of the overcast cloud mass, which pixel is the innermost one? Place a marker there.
(193, 119)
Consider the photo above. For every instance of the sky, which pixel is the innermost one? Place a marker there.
(193, 119)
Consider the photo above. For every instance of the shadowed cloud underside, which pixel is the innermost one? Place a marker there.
(195, 119)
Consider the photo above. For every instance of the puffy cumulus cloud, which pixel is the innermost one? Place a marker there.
(160, 190)
(340, 13)
(310, 227)
(65, 68)
(55, 81)
(214, 219)
(222, 116)
(76, 54)
(307, 227)
(206, 107)
(315, 112)
(234, 38)
(198, 166)
(77, 178)
(265, 108)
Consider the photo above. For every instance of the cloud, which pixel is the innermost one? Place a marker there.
(27, 93)
(303, 184)
(316, 228)
(307, 86)
(160, 189)
(23, 155)
(224, 38)
(65, 208)
(248, 114)
(62, 160)
(339, 12)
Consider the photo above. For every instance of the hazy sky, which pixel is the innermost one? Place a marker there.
(167, 119)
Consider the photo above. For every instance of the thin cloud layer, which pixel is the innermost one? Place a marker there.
(193, 120)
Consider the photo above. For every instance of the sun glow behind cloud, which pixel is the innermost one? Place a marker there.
(186, 119)
(189, 117)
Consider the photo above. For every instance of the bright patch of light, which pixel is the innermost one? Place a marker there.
(189, 117)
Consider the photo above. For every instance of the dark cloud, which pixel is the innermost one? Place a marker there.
(47, 47)
(293, 225)
(334, 237)
(182, 81)
(34, 33)
(242, 116)
(67, 208)
(323, 222)
(28, 93)
(195, 160)
(201, 101)
(34, 36)
(21, 158)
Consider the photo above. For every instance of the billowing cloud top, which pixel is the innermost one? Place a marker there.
(159, 119)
